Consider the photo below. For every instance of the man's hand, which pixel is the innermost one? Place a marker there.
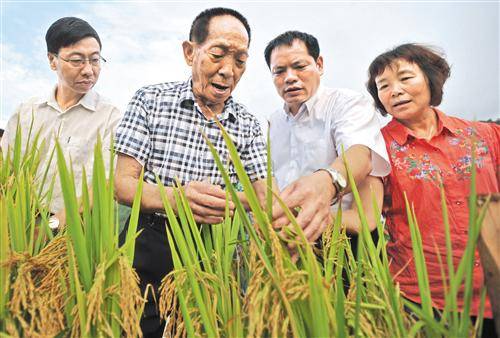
(313, 195)
(207, 201)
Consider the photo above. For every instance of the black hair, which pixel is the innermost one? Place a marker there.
(287, 39)
(199, 28)
(68, 31)
(428, 59)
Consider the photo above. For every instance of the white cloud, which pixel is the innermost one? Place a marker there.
(20, 80)
(142, 42)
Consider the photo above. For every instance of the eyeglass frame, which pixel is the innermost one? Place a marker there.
(83, 61)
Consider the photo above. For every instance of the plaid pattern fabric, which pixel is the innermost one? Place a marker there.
(162, 129)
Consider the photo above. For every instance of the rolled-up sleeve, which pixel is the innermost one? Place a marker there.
(356, 123)
(132, 135)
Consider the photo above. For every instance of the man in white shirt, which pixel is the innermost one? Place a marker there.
(308, 134)
(72, 112)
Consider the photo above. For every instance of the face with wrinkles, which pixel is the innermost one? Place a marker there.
(296, 75)
(404, 91)
(219, 62)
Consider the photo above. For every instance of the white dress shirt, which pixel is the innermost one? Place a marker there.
(314, 137)
(76, 128)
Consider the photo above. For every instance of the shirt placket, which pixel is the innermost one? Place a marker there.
(455, 199)
(294, 148)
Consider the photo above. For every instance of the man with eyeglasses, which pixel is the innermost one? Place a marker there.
(72, 112)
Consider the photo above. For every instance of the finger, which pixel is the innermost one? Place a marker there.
(320, 231)
(212, 193)
(284, 219)
(291, 237)
(311, 221)
(316, 227)
(307, 214)
(208, 189)
(287, 196)
(208, 201)
(202, 211)
(208, 219)
(292, 202)
(281, 221)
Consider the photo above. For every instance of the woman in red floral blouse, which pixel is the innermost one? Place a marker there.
(425, 146)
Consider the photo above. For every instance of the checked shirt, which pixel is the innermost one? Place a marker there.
(163, 130)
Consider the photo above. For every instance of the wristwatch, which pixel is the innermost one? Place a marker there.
(338, 181)
(53, 223)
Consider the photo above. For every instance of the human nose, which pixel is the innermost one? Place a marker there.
(290, 76)
(227, 66)
(87, 68)
(396, 90)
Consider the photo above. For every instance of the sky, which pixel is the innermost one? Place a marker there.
(142, 43)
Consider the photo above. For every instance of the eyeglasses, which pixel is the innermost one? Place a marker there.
(77, 62)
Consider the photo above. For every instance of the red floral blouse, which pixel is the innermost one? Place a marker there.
(417, 165)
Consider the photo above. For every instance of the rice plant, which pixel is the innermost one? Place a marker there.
(238, 278)
(234, 279)
(79, 283)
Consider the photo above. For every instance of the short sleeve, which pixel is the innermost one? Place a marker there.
(254, 156)
(355, 122)
(132, 135)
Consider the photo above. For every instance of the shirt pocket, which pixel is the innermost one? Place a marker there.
(314, 154)
(78, 150)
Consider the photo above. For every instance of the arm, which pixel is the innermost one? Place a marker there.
(350, 217)
(313, 193)
(106, 137)
(207, 201)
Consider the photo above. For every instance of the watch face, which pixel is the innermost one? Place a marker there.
(53, 223)
(339, 179)
(342, 181)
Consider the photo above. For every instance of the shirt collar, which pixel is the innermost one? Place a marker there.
(306, 108)
(88, 101)
(311, 103)
(445, 122)
(187, 99)
(400, 132)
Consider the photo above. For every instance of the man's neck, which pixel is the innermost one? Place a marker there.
(66, 98)
(208, 110)
(294, 110)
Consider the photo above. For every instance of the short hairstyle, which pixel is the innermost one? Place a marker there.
(428, 59)
(68, 31)
(199, 28)
(287, 38)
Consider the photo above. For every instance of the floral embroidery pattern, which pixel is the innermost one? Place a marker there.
(464, 139)
(417, 167)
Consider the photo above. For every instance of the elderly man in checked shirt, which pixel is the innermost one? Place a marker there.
(161, 132)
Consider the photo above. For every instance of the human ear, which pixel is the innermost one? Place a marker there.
(319, 64)
(52, 61)
(188, 49)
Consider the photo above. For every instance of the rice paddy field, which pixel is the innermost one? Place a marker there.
(234, 279)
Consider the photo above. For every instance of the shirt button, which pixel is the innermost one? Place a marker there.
(458, 202)
(476, 264)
